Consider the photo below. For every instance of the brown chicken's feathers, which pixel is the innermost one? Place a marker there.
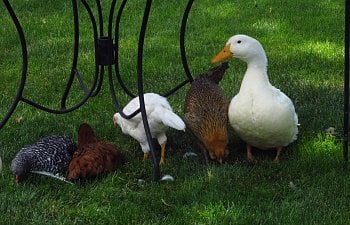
(93, 157)
(86, 135)
(216, 74)
(206, 113)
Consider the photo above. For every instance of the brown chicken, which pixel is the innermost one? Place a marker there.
(93, 156)
(206, 113)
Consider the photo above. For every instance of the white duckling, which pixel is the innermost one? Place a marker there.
(262, 115)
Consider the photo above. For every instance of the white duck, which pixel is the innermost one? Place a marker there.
(262, 115)
(160, 116)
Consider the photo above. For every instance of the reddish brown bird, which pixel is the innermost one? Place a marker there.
(93, 156)
(206, 113)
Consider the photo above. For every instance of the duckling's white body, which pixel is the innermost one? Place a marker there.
(262, 115)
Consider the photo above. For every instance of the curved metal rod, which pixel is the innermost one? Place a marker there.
(18, 97)
(172, 91)
(346, 83)
(140, 80)
(110, 72)
(118, 108)
(98, 71)
(117, 69)
(100, 20)
(74, 70)
(62, 111)
(183, 50)
(75, 54)
(81, 82)
(182, 40)
(100, 82)
(100, 17)
(140, 89)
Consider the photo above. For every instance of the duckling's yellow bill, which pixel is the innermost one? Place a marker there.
(224, 54)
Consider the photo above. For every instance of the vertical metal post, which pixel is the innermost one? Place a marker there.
(140, 89)
(346, 84)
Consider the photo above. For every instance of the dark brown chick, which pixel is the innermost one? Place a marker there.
(93, 156)
(206, 113)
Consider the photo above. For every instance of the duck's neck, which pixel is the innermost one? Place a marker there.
(256, 75)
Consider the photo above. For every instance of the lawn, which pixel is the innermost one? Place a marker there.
(304, 45)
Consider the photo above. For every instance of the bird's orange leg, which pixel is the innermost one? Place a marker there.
(145, 156)
(277, 158)
(250, 156)
(162, 154)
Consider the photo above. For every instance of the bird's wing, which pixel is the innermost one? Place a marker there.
(169, 118)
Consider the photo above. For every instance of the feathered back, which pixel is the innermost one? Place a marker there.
(205, 99)
(216, 73)
(93, 156)
(50, 154)
(86, 135)
(157, 108)
(206, 112)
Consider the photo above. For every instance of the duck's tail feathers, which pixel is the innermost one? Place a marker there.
(172, 120)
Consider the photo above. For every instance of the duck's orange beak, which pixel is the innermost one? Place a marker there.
(222, 55)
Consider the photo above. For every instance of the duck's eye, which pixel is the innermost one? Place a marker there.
(239, 41)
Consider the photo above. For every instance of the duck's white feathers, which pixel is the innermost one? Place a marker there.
(264, 119)
(261, 114)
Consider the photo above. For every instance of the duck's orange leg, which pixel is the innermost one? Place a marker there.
(277, 158)
(145, 156)
(250, 156)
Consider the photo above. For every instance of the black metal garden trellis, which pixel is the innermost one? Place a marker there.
(106, 55)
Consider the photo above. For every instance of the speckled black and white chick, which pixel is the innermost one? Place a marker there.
(51, 154)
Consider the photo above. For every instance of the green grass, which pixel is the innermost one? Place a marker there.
(304, 45)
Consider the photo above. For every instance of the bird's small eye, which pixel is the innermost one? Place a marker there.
(239, 41)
